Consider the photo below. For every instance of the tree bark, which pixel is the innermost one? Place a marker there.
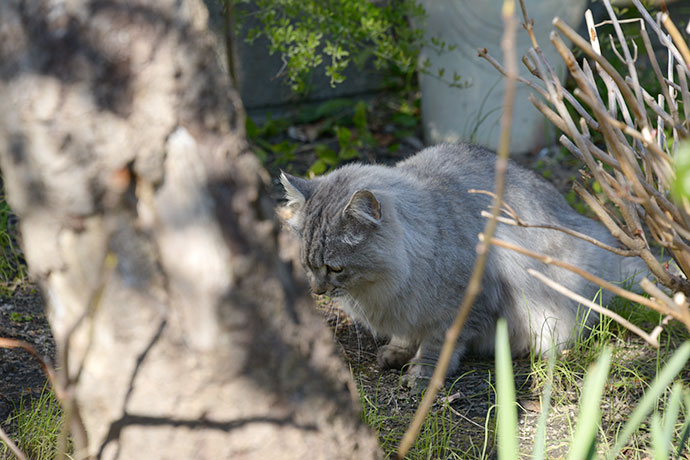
(144, 218)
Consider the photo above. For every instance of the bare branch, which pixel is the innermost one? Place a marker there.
(608, 68)
(663, 83)
(626, 52)
(660, 34)
(651, 289)
(677, 37)
(567, 231)
(474, 284)
(483, 53)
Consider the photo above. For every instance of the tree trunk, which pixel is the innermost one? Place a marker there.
(180, 333)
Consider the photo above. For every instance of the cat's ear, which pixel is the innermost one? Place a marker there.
(297, 191)
(364, 207)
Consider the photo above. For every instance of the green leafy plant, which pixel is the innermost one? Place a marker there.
(311, 33)
(321, 137)
(18, 317)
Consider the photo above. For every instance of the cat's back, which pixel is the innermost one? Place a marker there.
(443, 161)
(450, 170)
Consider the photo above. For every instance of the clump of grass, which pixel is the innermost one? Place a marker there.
(611, 420)
(13, 271)
(34, 427)
(440, 437)
(633, 366)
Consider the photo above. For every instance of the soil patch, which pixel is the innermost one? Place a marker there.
(22, 317)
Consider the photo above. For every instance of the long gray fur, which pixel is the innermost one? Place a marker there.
(396, 245)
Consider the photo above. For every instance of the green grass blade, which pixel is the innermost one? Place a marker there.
(685, 431)
(590, 413)
(659, 448)
(540, 437)
(671, 411)
(662, 380)
(508, 448)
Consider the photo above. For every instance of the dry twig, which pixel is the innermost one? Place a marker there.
(474, 285)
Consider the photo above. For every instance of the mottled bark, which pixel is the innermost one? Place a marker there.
(121, 145)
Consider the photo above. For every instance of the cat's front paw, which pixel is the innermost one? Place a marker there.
(393, 356)
(417, 377)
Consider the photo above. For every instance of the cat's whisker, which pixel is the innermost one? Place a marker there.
(359, 342)
(356, 306)
(337, 320)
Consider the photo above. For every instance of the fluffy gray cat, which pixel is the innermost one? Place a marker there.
(396, 245)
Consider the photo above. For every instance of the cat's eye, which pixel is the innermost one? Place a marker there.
(334, 269)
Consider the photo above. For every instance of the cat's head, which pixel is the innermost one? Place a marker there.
(340, 230)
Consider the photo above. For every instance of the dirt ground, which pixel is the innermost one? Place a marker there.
(22, 317)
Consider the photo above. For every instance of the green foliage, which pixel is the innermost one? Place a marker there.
(321, 137)
(309, 33)
(681, 185)
(19, 317)
(36, 424)
(12, 265)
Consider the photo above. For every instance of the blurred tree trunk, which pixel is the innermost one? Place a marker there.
(180, 333)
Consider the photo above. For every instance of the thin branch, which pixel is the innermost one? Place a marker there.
(663, 83)
(548, 113)
(569, 97)
(568, 231)
(657, 330)
(474, 285)
(594, 306)
(618, 54)
(609, 69)
(677, 37)
(607, 220)
(659, 110)
(505, 207)
(484, 54)
(685, 94)
(517, 222)
(651, 289)
(626, 52)
(660, 34)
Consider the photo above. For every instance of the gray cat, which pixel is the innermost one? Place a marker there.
(396, 245)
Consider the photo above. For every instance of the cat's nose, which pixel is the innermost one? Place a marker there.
(319, 291)
(318, 288)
